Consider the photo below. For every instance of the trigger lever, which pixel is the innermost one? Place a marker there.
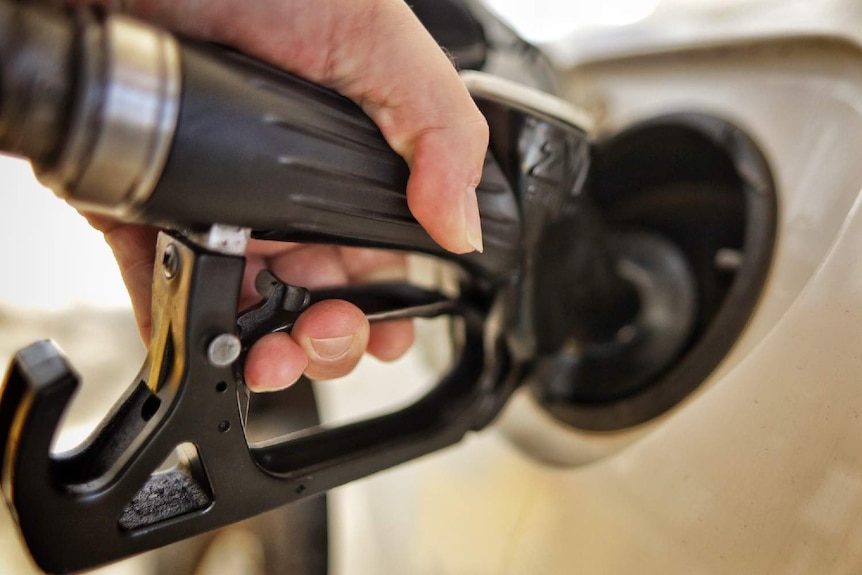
(283, 303)
(279, 309)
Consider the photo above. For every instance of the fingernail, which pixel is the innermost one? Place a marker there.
(472, 222)
(332, 348)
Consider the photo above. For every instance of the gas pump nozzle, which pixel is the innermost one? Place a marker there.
(126, 119)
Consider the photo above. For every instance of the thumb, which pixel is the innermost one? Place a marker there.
(407, 85)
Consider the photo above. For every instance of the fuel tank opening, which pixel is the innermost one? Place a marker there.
(696, 189)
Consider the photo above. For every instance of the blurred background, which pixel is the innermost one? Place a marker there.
(60, 282)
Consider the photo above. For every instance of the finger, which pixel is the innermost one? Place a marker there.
(377, 53)
(310, 266)
(414, 94)
(274, 362)
(268, 248)
(134, 248)
(364, 265)
(390, 340)
(334, 335)
(441, 192)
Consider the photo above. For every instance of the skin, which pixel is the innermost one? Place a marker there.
(376, 53)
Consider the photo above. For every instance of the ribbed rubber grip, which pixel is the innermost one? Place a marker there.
(261, 148)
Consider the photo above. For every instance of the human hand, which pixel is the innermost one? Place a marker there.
(376, 53)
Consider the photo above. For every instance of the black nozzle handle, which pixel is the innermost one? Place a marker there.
(121, 117)
(264, 149)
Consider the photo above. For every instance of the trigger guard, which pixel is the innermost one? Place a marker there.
(108, 499)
